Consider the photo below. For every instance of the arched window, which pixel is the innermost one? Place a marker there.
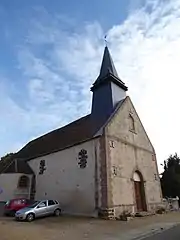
(137, 177)
(23, 182)
(131, 123)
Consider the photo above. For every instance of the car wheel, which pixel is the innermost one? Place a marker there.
(13, 212)
(57, 212)
(30, 217)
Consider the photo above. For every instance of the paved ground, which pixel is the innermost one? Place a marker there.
(173, 233)
(67, 228)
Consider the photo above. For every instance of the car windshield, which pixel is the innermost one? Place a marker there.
(34, 205)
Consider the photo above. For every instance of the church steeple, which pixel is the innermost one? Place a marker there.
(108, 70)
(107, 65)
(108, 90)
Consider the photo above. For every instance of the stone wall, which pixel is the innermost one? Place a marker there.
(129, 150)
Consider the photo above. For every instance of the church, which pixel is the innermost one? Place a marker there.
(99, 165)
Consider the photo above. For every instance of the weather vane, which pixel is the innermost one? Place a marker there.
(105, 40)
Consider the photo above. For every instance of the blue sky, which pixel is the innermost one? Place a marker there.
(51, 53)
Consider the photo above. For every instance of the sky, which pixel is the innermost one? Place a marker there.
(51, 53)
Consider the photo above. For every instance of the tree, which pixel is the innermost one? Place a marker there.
(6, 160)
(7, 156)
(170, 180)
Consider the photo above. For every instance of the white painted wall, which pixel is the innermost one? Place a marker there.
(8, 183)
(65, 181)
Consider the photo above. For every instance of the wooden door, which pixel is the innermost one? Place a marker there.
(138, 196)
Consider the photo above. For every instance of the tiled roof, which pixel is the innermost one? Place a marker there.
(71, 134)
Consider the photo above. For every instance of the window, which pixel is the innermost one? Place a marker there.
(131, 123)
(82, 158)
(136, 177)
(42, 204)
(42, 166)
(114, 170)
(23, 182)
(153, 157)
(112, 143)
(17, 202)
(51, 202)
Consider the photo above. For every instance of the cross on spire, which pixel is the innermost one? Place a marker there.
(105, 40)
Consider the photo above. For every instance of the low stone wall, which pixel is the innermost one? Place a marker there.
(171, 204)
(116, 211)
(152, 207)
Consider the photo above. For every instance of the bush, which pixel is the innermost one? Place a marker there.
(160, 210)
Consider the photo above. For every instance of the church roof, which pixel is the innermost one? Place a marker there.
(69, 135)
(108, 70)
(5, 163)
(13, 165)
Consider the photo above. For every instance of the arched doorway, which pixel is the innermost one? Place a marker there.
(139, 192)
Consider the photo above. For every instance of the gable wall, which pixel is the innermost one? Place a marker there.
(130, 152)
(65, 181)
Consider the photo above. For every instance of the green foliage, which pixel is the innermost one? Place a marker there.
(6, 160)
(7, 156)
(170, 181)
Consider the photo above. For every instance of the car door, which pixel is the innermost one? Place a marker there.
(41, 209)
(51, 207)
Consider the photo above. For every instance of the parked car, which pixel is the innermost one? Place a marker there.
(14, 205)
(39, 209)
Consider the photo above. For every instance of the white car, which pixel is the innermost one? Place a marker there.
(39, 209)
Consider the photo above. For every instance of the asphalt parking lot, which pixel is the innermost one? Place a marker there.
(64, 227)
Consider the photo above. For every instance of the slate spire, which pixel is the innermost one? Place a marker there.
(108, 70)
(108, 91)
(107, 65)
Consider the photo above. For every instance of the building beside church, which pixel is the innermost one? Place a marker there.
(103, 163)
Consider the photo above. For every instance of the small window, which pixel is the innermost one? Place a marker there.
(17, 202)
(42, 204)
(131, 123)
(23, 182)
(51, 202)
(155, 176)
(111, 143)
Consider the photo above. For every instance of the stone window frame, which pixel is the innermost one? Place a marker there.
(23, 182)
(132, 127)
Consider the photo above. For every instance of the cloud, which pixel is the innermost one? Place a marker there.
(147, 49)
(59, 61)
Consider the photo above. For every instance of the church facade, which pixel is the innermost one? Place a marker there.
(100, 164)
